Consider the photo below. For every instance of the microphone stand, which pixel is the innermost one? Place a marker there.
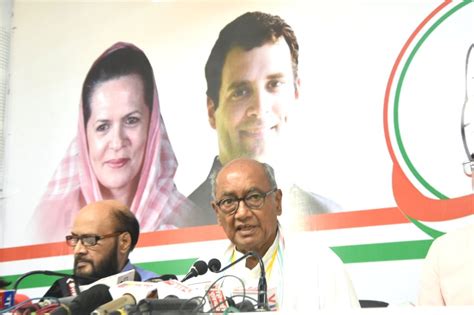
(262, 301)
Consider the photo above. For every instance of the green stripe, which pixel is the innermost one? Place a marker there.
(178, 267)
(348, 254)
(383, 251)
(396, 104)
(426, 229)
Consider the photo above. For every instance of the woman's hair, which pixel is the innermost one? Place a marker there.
(121, 62)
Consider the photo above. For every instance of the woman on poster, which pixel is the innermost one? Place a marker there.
(121, 151)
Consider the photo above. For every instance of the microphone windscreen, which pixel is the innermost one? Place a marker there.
(245, 306)
(66, 300)
(201, 267)
(170, 305)
(214, 265)
(162, 278)
(90, 299)
(126, 299)
(198, 268)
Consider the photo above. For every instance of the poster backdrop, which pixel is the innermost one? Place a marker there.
(377, 125)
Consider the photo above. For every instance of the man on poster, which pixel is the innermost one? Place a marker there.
(253, 83)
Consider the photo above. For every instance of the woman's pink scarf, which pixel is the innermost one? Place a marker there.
(157, 203)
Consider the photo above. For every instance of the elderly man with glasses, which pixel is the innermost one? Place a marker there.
(300, 273)
(102, 237)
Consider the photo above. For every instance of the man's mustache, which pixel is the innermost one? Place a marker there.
(82, 259)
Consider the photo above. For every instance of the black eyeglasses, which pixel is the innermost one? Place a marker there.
(88, 239)
(253, 200)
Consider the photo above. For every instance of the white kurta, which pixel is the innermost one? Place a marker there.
(301, 276)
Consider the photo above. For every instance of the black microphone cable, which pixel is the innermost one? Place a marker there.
(48, 273)
(262, 304)
(212, 286)
(203, 297)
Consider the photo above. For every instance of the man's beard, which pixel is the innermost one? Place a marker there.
(107, 267)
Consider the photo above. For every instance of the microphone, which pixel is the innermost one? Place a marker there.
(85, 302)
(64, 300)
(262, 304)
(198, 268)
(214, 265)
(126, 293)
(72, 287)
(162, 278)
(7, 299)
(244, 306)
(168, 304)
(126, 299)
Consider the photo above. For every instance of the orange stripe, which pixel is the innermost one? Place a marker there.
(419, 207)
(214, 232)
(183, 235)
(394, 71)
(359, 218)
(34, 251)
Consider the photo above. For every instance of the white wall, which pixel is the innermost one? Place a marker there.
(347, 52)
(5, 25)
